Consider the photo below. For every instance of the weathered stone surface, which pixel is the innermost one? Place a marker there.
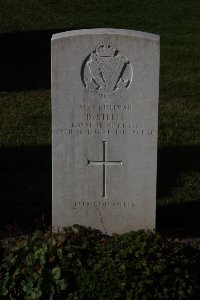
(105, 88)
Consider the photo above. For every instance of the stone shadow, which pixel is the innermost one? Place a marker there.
(25, 60)
(182, 217)
(25, 193)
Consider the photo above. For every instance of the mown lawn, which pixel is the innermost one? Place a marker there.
(25, 118)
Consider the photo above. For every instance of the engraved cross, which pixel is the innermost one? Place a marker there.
(104, 163)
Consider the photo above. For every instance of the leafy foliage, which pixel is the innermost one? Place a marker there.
(80, 264)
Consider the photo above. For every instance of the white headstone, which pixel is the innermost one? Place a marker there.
(105, 89)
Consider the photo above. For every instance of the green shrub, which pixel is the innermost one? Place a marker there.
(83, 264)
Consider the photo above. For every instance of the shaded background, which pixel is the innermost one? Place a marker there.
(25, 107)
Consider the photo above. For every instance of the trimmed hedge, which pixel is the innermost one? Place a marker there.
(83, 264)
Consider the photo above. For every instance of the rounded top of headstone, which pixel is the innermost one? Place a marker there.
(110, 31)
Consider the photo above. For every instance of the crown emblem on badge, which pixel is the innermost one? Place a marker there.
(107, 72)
(105, 49)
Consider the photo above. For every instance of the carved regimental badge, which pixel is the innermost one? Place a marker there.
(106, 72)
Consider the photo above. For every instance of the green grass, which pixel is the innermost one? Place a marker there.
(179, 122)
(159, 16)
(25, 117)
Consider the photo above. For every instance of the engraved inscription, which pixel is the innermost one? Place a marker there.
(104, 163)
(107, 107)
(103, 204)
(105, 120)
(106, 72)
(105, 117)
(109, 129)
